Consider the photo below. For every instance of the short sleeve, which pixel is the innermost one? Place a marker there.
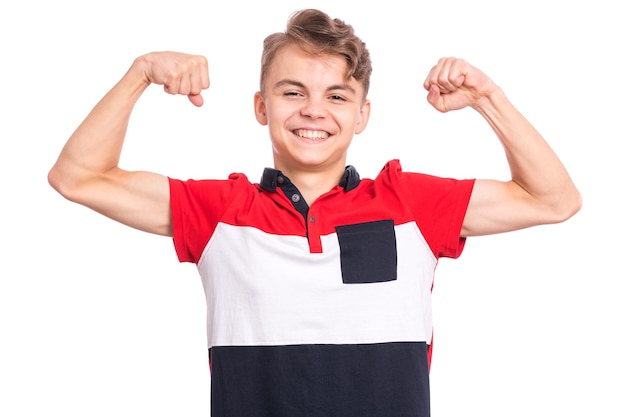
(197, 207)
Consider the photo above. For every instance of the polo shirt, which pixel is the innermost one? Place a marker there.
(320, 310)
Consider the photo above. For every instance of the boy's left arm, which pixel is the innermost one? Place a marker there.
(540, 190)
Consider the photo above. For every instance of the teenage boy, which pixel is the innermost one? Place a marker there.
(317, 282)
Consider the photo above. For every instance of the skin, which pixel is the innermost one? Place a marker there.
(312, 113)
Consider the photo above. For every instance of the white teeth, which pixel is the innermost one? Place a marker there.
(311, 134)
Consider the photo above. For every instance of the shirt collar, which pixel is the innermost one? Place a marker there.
(270, 179)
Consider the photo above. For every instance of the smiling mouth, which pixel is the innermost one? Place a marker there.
(311, 134)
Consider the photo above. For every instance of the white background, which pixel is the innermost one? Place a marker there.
(99, 320)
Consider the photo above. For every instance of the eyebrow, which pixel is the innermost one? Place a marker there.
(344, 87)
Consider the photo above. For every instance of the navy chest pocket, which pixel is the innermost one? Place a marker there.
(368, 252)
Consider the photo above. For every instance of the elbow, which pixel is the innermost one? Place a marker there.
(55, 180)
(568, 206)
(61, 183)
(577, 205)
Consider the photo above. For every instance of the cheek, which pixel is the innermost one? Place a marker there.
(279, 115)
(350, 119)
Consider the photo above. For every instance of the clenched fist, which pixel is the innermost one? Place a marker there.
(177, 72)
(453, 84)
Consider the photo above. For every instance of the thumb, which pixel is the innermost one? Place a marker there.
(196, 99)
(435, 99)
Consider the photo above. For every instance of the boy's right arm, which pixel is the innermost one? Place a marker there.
(87, 170)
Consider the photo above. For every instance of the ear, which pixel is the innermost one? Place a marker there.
(260, 111)
(363, 117)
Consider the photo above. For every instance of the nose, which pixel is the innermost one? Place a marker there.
(313, 108)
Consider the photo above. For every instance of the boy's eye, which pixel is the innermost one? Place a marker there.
(337, 97)
(292, 93)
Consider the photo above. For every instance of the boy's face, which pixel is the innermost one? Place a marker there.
(311, 110)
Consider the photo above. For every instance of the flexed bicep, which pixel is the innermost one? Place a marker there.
(504, 206)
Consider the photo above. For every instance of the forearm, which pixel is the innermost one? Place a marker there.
(95, 146)
(534, 165)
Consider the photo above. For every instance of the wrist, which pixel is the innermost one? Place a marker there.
(490, 99)
(139, 70)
